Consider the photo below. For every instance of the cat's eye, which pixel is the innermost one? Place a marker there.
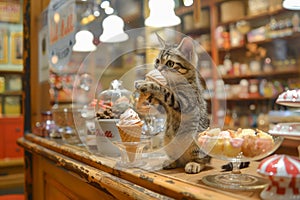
(170, 63)
(156, 61)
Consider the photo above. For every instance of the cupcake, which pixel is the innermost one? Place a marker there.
(256, 142)
(229, 143)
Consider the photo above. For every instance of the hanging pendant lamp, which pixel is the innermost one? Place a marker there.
(162, 14)
(113, 30)
(84, 41)
(291, 4)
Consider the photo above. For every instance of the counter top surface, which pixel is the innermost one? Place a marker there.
(161, 184)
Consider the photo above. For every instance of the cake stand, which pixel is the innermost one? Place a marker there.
(290, 98)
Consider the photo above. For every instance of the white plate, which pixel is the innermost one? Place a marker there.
(289, 98)
(286, 129)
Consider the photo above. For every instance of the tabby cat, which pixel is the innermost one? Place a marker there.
(182, 99)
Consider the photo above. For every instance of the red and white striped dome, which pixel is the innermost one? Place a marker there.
(280, 166)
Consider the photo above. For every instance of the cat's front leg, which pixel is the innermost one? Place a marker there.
(147, 87)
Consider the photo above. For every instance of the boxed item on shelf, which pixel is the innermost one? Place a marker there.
(14, 83)
(258, 34)
(188, 22)
(204, 19)
(12, 105)
(227, 9)
(257, 6)
(2, 84)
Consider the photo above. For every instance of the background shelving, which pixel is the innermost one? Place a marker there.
(286, 72)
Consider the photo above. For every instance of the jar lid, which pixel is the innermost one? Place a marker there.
(280, 166)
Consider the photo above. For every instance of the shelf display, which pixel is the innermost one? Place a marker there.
(11, 56)
(255, 51)
(11, 93)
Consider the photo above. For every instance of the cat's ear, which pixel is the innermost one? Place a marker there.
(161, 41)
(186, 47)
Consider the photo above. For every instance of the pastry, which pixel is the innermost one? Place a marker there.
(230, 143)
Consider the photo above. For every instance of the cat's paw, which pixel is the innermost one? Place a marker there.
(193, 167)
(147, 87)
(168, 165)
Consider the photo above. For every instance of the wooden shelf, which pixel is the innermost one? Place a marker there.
(232, 48)
(3, 72)
(198, 31)
(249, 98)
(12, 93)
(292, 71)
(254, 17)
(268, 40)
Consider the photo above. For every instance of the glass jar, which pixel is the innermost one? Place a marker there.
(69, 122)
(47, 126)
(253, 87)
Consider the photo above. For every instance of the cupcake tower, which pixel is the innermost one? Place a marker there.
(283, 171)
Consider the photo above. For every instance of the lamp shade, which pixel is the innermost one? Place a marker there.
(113, 30)
(291, 4)
(162, 14)
(84, 41)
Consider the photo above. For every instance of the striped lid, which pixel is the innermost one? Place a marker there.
(280, 165)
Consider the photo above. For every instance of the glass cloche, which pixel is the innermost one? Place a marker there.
(116, 98)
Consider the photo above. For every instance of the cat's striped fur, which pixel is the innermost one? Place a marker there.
(182, 98)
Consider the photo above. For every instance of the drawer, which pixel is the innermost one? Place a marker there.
(12, 150)
(11, 130)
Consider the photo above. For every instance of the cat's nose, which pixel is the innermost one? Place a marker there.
(161, 67)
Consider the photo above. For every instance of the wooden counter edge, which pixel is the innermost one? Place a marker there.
(157, 182)
(119, 188)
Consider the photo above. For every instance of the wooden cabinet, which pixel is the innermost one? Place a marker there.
(11, 130)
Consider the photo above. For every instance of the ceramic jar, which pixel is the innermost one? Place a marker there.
(283, 172)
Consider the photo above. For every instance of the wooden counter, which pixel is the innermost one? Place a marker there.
(60, 171)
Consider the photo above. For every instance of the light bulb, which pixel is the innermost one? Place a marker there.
(291, 4)
(84, 41)
(113, 26)
(162, 14)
